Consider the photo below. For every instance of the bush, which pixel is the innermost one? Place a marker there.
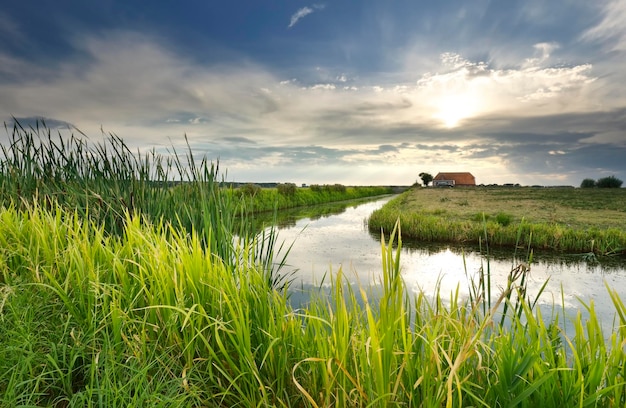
(287, 189)
(588, 183)
(328, 187)
(480, 217)
(250, 189)
(609, 182)
(338, 187)
(504, 219)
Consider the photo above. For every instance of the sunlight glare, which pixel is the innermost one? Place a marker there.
(452, 109)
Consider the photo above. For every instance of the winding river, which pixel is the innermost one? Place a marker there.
(338, 237)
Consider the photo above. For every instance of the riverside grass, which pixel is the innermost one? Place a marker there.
(269, 199)
(561, 219)
(104, 180)
(151, 318)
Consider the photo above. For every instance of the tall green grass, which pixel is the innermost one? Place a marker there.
(151, 317)
(105, 181)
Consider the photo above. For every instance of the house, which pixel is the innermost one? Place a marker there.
(454, 179)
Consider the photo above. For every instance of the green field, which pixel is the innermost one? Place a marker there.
(118, 289)
(562, 219)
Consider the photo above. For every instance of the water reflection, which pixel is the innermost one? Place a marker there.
(336, 236)
(288, 218)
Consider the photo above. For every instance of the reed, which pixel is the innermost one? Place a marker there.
(105, 181)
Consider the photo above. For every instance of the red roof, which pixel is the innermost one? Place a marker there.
(460, 179)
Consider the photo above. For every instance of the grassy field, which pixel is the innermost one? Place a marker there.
(117, 290)
(564, 219)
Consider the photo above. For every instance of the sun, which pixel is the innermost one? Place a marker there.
(452, 109)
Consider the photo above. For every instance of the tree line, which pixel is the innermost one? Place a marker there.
(605, 182)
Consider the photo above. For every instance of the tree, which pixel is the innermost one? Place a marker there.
(287, 189)
(609, 182)
(426, 178)
(250, 189)
(588, 183)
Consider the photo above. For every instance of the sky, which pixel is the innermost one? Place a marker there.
(364, 92)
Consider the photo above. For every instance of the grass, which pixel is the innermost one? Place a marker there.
(106, 304)
(270, 199)
(563, 219)
(150, 317)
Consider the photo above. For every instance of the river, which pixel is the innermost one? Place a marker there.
(339, 238)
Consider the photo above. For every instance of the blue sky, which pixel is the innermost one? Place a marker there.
(358, 93)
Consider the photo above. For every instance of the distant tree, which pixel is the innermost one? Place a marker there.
(287, 189)
(250, 189)
(338, 187)
(426, 178)
(588, 183)
(609, 182)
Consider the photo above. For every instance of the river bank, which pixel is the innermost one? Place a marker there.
(562, 219)
(287, 195)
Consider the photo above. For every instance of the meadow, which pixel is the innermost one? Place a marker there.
(109, 299)
(562, 219)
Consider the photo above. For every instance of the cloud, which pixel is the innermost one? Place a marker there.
(611, 28)
(457, 115)
(303, 12)
(39, 122)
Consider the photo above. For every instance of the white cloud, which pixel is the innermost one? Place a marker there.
(151, 96)
(303, 12)
(122, 88)
(544, 50)
(612, 27)
(328, 87)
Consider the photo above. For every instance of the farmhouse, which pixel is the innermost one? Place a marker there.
(454, 179)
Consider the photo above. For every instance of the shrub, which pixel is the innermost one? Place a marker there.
(337, 187)
(316, 188)
(480, 217)
(250, 189)
(287, 189)
(609, 182)
(588, 183)
(504, 219)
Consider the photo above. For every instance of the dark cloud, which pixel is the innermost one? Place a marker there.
(387, 148)
(36, 122)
